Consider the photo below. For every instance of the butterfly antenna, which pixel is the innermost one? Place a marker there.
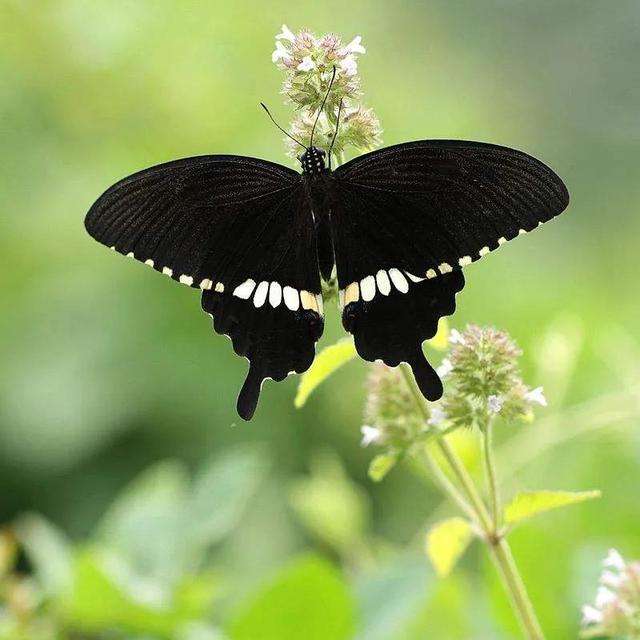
(326, 95)
(286, 133)
(335, 133)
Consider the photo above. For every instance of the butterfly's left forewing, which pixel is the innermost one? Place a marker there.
(406, 219)
(239, 229)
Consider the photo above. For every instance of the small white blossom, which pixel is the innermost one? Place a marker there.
(307, 64)
(445, 368)
(370, 435)
(349, 66)
(610, 579)
(591, 615)
(353, 47)
(280, 53)
(494, 403)
(286, 34)
(604, 597)
(536, 395)
(455, 337)
(437, 416)
(614, 560)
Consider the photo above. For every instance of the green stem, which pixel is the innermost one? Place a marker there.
(500, 550)
(516, 589)
(448, 488)
(490, 471)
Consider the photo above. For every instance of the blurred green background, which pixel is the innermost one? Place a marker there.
(107, 368)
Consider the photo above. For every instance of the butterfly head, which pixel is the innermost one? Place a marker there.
(312, 160)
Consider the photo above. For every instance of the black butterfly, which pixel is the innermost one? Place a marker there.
(397, 224)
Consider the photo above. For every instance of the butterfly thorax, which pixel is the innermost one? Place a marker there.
(312, 161)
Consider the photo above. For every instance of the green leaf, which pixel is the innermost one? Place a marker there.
(391, 596)
(531, 503)
(49, 552)
(380, 466)
(107, 596)
(446, 542)
(330, 505)
(441, 340)
(308, 600)
(221, 492)
(330, 359)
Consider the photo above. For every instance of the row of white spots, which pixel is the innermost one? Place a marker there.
(381, 282)
(275, 293)
(184, 278)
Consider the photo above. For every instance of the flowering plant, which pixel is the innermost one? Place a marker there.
(309, 63)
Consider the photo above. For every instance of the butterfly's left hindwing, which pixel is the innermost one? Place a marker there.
(241, 230)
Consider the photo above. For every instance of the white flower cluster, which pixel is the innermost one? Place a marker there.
(616, 610)
(309, 63)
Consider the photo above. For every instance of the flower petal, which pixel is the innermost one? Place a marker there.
(285, 34)
(307, 64)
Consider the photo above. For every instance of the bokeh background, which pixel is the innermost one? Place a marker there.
(108, 369)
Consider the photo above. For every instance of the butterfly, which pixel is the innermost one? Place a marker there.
(395, 226)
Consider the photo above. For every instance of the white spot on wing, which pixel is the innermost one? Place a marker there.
(130, 254)
(261, 294)
(464, 261)
(245, 289)
(275, 294)
(167, 271)
(184, 279)
(341, 298)
(368, 288)
(521, 232)
(382, 280)
(431, 274)
(291, 298)
(149, 262)
(206, 284)
(445, 267)
(351, 293)
(219, 287)
(399, 281)
(502, 240)
(413, 278)
(484, 251)
(320, 303)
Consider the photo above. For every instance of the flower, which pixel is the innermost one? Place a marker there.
(286, 34)
(307, 64)
(349, 66)
(445, 368)
(281, 53)
(614, 560)
(391, 409)
(494, 403)
(370, 435)
(353, 47)
(591, 615)
(536, 396)
(483, 379)
(616, 610)
(438, 416)
(455, 337)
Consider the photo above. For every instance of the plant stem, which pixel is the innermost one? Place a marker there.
(448, 488)
(490, 470)
(516, 589)
(500, 550)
